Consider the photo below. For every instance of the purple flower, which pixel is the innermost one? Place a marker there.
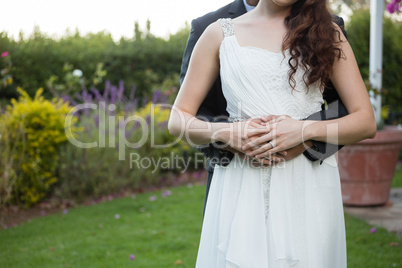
(117, 216)
(152, 198)
(113, 94)
(373, 230)
(107, 89)
(166, 193)
(156, 96)
(120, 91)
(393, 6)
(4, 54)
(65, 211)
(98, 96)
(132, 93)
(132, 257)
(198, 174)
(136, 100)
(128, 109)
(43, 213)
(86, 97)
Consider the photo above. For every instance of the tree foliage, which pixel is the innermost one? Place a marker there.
(143, 60)
(359, 37)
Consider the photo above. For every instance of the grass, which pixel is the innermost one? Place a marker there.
(397, 181)
(160, 233)
(371, 250)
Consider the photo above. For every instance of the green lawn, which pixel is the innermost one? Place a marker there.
(397, 181)
(159, 233)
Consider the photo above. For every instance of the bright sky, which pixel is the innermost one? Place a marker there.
(116, 17)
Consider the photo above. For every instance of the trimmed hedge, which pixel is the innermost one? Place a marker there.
(144, 60)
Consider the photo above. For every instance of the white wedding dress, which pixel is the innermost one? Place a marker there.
(289, 215)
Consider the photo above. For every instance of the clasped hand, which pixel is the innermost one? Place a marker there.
(254, 138)
(249, 139)
(275, 134)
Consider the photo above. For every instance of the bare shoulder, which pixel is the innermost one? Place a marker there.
(339, 30)
(214, 33)
(211, 39)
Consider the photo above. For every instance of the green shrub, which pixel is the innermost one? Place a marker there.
(143, 60)
(109, 169)
(158, 135)
(358, 30)
(8, 161)
(34, 131)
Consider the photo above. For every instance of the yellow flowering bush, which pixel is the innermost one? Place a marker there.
(41, 123)
(160, 145)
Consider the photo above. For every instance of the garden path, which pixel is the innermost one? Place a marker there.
(388, 216)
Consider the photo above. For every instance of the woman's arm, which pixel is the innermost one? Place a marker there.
(359, 124)
(202, 72)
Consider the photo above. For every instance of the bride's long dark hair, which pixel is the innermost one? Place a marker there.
(312, 40)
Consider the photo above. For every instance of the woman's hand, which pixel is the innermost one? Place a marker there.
(276, 134)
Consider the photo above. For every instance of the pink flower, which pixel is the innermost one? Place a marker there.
(166, 193)
(4, 54)
(65, 211)
(132, 257)
(373, 230)
(152, 198)
(117, 216)
(198, 174)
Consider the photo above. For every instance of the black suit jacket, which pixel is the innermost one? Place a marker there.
(213, 108)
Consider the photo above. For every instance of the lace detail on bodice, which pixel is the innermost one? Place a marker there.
(255, 81)
(227, 27)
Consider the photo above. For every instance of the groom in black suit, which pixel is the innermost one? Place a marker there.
(213, 108)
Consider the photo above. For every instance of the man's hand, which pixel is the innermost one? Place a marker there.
(274, 159)
(297, 150)
(233, 136)
(236, 142)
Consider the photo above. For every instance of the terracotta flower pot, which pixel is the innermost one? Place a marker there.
(368, 167)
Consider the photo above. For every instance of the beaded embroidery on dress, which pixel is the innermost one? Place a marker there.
(288, 215)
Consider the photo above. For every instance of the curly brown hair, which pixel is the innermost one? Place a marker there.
(312, 40)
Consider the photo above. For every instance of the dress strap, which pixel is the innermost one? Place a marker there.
(227, 26)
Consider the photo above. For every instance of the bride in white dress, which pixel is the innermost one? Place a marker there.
(289, 214)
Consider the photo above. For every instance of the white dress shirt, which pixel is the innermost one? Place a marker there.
(248, 7)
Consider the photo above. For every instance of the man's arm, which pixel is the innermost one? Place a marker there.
(321, 150)
(195, 34)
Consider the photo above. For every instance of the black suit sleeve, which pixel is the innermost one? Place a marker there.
(336, 109)
(195, 34)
